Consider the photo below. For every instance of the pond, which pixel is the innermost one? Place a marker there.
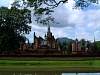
(80, 74)
(42, 73)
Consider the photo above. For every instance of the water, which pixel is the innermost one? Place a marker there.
(80, 73)
(42, 73)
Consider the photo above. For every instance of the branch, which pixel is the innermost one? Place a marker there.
(56, 4)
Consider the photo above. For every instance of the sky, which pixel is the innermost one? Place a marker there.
(71, 23)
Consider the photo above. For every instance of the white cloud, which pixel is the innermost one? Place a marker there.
(10, 2)
(86, 21)
(97, 35)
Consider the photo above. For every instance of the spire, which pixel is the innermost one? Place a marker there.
(48, 28)
(34, 37)
(94, 44)
(45, 36)
(94, 38)
(34, 34)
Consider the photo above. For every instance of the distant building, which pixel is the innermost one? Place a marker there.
(48, 42)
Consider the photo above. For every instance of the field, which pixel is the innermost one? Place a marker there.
(51, 64)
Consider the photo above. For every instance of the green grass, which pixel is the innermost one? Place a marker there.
(50, 65)
(84, 63)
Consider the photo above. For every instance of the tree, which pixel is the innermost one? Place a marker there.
(83, 44)
(13, 24)
(97, 47)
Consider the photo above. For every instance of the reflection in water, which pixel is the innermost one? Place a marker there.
(80, 73)
(30, 73)
(45, 73)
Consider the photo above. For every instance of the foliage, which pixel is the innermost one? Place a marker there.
(13, 24)
(16, 19)
(84, 3)
(97, 46)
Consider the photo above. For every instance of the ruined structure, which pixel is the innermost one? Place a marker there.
(47, 43)
(50, 44)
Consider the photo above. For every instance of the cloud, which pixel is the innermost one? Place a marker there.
(97, 35)
(61, 16)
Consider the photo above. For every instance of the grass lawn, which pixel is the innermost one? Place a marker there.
(50, 65)
(89, 63)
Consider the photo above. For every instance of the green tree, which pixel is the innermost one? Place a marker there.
(97, 47)
(13, 24)
(83, 43)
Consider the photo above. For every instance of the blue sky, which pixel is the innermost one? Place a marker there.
(73, 23)
(6, 2)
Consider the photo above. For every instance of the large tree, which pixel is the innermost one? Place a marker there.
(13, 24)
